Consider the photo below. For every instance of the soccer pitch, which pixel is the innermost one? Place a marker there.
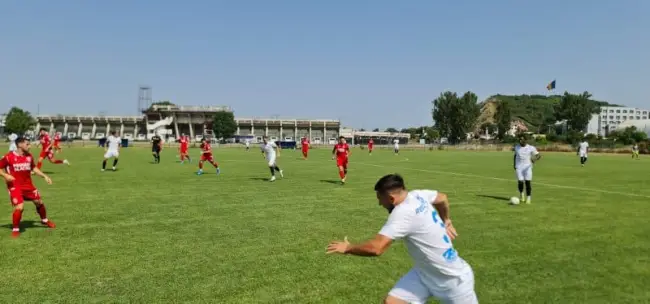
(158, 233)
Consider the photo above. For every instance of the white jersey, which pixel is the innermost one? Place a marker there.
(113, 143)
(524, 156)
(396, 144)
(583, 147)
(424, 233)
(248, 143)
(269, 150)
(12, 142)
(635, 148)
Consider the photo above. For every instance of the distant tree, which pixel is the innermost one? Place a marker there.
(224, 125)
(455, 116)
(391, 130)
(503, 118)
(628, 136)
(18, 121)
(375, 130)
(432, 133)
(576, 110)
(362, 130)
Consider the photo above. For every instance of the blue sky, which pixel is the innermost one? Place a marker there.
(369, 63)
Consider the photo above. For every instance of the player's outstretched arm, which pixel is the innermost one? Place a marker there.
(375, 247)
(40, 173)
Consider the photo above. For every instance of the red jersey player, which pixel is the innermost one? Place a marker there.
(57, 140)
(184, 146)
(305, 147)
(206, 155)
(371, 144)
(341, 152)
(17, 166)
(47, 151)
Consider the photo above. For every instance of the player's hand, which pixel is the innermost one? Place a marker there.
(451, 231)
(47, 179)
(9, 178)
(338, 246)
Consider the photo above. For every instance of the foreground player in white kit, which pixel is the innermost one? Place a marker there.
(525, 156)
(270, 150)
(113, 144)
(421, 218)
(583, 149)
(12, 142)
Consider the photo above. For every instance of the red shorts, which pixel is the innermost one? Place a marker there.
(56, 145)
(206, 156)
(47, 154)
(183, 150)
(20, 195)
(370, 148)
(341, 162)
(305, 150)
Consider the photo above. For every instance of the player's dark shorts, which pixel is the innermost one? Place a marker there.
(155, 149)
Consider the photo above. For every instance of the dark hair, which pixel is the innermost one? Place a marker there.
(341, 137)
(42, 129)
(21, 139)
(113, 133)
(390, 183)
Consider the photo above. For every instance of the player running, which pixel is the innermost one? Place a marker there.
(271, 151)
(112, 150)
(635, 151)
(206, 155)
(12, 141)
(183, 148)
(304, 142)
(47, 151)
(156, 148)
(56, 145)
(17, 166)
(421, 219)
(341, 153)
(371, 144)
(525, 156)
(396, 146)
(247, 142)
(583, 149)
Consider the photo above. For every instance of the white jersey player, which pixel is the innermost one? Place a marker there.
(271, 151)
(12, 142)
(525, 156)
(583, 149)
(112, 150)
(396, 146)
(248, 144)
(421, 219)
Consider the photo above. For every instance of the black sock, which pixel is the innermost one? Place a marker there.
(520, 186)
(272, 171)
(188, 158)
(345, 171)
(158, 157)
(529, 188)
(276, 168)
(115, 162)
(104, 164)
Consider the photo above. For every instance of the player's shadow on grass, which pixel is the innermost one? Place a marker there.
(259, 179)
(330, 181)
(494, 197)
(26, 225)
(48, 172)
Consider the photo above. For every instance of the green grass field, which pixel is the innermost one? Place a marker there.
(160, 234)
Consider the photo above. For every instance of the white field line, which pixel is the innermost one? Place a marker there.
(508, 180)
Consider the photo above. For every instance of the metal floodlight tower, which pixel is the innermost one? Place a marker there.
(144, 98)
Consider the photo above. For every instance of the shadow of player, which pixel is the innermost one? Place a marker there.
(26, 225)
(494, 197)
(330, 181)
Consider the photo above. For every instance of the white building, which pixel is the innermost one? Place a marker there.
(611, 117)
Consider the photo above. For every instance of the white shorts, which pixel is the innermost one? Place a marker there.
(525, 173)
(110, 154)
(271, 161)
(411, 289)
(583, 154)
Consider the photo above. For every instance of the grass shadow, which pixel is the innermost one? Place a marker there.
(26, 225)
(330, 181)
(494, 197)
(259, 179)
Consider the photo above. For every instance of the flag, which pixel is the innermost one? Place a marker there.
(551, 86)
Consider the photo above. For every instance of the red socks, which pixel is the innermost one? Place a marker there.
(41, 212)
(39, 165)
(215, 164)
(16, 217)
(57, 162)
(341, 173)
(200, 165)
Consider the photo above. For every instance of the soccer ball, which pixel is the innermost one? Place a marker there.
(514, 201)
